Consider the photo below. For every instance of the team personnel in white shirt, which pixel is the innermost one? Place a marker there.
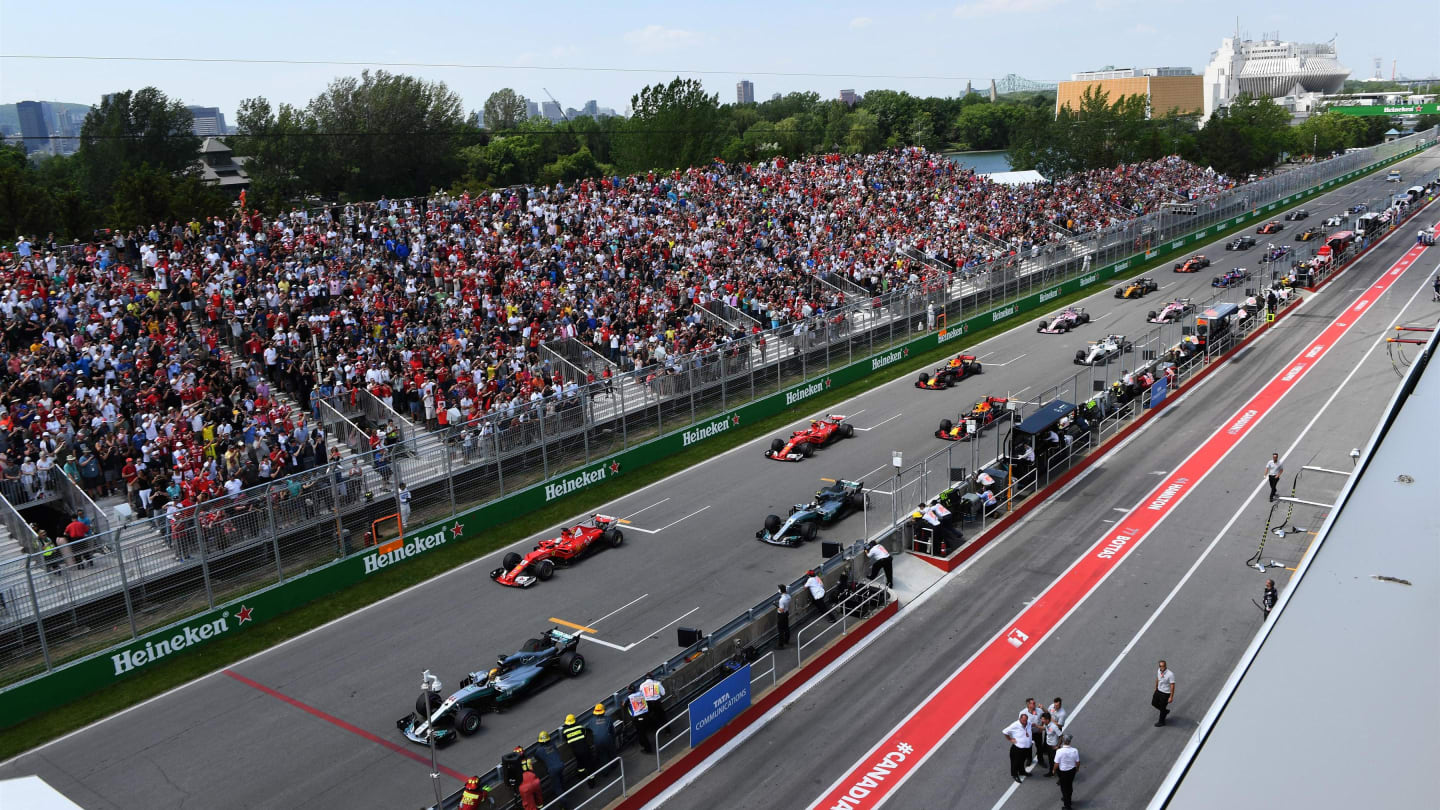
(1032, 712)
(1067, 764)
(1047, 739)
(1018, 733)
(1058, 713)
(1164, 692)
(782, 618)
(880, 561)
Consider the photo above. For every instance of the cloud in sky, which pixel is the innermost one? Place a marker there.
(990, 8)
(861, 22)
(1142, 28)
(656, 38)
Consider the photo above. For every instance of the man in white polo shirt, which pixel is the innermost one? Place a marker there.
(1164, 692)
(1067, 764)
(1018, 733)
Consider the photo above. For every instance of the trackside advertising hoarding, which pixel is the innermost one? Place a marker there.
(84, 676)
(722, 703)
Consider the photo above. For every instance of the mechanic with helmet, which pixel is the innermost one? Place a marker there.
(531, 795)
(602, 736)
(548, 756)
(581, 743)
(474, 795)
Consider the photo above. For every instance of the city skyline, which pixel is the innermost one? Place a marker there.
(591, 53)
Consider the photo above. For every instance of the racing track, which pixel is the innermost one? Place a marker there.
(1101, 659)
(695, 563)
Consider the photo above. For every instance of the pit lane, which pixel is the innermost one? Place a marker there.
(1183, 595)
(236, 745)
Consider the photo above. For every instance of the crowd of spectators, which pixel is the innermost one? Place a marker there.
(146, 362)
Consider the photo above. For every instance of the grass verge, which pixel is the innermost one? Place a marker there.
(218, 654)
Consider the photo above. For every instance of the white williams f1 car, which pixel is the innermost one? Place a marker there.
(1100, 352)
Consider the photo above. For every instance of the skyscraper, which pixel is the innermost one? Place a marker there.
(206, 121)
(849, 97)
(551, 111)
(744, 92)
(532, 108)
(33, 126)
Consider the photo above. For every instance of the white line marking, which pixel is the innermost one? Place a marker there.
(868, 474)
(1007, 362)
(1021, 391)
(594, 622)
(603, 642)
(671, 523)
(651, 506)
(1119, 509)
(1104, 676)
(878, 424)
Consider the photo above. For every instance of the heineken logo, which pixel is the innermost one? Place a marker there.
(189, 635)
(395, 552)
(806, 391)
(579, 481)
(886, 359)
(704, 432)
(951, 333)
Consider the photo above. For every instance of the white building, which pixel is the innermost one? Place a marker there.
(1296, 75)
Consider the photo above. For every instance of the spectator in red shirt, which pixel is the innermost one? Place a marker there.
(75, 533)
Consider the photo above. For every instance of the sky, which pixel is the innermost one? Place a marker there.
(608, 51)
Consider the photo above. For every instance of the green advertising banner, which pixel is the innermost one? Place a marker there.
(1387, 109)
(76, 679)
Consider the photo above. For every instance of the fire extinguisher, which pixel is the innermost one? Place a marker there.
(944, 547)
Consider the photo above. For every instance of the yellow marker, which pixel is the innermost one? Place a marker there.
(831, 480)
(582, 628)
(626, 522)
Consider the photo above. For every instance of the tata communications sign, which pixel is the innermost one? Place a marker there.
(723, 703)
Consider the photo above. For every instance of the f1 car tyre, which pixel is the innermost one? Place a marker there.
(427, 703)
(806, 449)
(808, 531)
(613, 536)
(776, 445)
(467, 721)
(511, 560)
(1041, 327)
(847, 430)
(924, 377)
(858, 500)
(946, 425)
(1080, 356)
(544, 569)
(772, 523)
(974, 367)
(1084, 317)
(572, 663)
(1151, 315)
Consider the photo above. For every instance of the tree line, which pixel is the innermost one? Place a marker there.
(384, 134)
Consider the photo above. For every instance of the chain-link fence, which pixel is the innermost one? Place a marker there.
(153, 570)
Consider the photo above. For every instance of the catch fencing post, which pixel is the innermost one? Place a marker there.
(35, 606)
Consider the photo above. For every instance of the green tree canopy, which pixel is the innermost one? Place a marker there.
(131, 129)
(504, 110)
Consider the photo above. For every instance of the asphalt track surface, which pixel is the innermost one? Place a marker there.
(933, 690)
(312, 721)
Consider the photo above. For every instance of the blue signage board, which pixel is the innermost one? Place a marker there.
(1159, 390)
(721, 704)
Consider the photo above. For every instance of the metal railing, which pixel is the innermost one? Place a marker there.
(1106, 404)
(162, 568)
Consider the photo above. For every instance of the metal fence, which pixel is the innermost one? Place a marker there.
(155, 569)
(748, 638)
(1109, 399)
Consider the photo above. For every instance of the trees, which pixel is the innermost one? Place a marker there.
(131, 129)
(389, 134)
(504, 110)
(671, 125)
(1246, 137)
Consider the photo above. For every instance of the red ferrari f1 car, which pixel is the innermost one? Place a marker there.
(572, 545)
(958, 367)
(802, 443)
(982, 414)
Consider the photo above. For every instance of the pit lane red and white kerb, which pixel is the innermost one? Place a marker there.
(931, 723)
